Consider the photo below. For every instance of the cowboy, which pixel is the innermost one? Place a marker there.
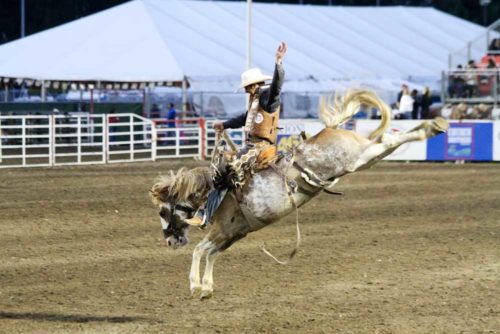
(260, 125)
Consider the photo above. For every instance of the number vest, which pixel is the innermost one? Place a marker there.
(260, 124)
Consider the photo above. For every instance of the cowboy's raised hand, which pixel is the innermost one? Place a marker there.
(280, 53)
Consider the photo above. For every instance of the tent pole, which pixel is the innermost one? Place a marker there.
(99, 91)
(91, 107)
(44, 92)
(249, 34)
(184, 97)
(249, 44)
(145, 113)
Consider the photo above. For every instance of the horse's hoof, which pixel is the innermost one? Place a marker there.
(195, 291)
(206, 294)
(440, 124)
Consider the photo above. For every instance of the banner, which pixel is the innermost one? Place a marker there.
(463, 141)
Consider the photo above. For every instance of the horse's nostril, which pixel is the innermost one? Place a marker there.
(169, 243)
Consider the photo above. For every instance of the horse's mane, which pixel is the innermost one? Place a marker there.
(182, 186)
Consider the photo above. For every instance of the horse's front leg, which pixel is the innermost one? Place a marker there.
(194, 274)
(208, 279)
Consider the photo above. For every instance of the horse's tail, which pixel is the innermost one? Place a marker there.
(335, 111)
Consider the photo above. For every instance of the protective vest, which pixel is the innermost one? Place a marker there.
(260, 124)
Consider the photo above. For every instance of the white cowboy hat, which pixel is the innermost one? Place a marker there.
(252, 76)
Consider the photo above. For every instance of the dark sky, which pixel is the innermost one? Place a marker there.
(44, 14)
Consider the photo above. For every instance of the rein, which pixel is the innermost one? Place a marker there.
(295, 206)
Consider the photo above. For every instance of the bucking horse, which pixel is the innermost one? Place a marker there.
(314, 165)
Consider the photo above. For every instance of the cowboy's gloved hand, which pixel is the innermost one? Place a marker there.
(280, 53)
(218, 126)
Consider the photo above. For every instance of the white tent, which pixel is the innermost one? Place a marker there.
(165, 40)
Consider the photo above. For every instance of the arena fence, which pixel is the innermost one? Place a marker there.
(80, 138)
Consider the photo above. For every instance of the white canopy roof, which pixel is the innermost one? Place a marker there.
(163, 40)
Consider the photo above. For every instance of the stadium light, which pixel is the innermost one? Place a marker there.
(23, 32)
(485, 4)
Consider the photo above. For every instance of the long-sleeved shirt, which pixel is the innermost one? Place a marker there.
(269, 100)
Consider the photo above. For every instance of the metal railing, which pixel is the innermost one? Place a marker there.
(77, 139)
(471, 86)
(476, 47)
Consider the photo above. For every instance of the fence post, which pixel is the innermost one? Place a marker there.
(79, 139)
(105, 138)
(154, 136)
(23, 141)
(201, 137)
(177, 142)
(131, 129)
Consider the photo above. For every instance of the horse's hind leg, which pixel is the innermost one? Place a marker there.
(194, 274)
(390, 142)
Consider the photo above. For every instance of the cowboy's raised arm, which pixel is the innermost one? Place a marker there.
(271, 101)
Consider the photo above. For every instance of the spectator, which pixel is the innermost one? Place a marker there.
(155, 111)
(406, 103)
(425, 104)
(171, 124)
(400, 94)
(470, 88)
(416, 104)
(171, 115)
(494, 48)
(482, 111)
(493, 66)
(459, 112)
(457, 83)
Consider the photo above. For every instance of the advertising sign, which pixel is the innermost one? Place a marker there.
(463, 141)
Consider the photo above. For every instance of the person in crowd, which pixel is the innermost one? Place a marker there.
(456, 83)
(171, 123)
(494, 48)
(406, 103)
(416, 104)
(171, 115)
(459, 112)
(400, 94)
(470, 88)
(493, 66)
(155, 111)
(482, 111)
(425, 104)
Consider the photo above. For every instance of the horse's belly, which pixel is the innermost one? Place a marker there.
(267, 198)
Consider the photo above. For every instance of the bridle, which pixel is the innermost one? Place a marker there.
(177, 207)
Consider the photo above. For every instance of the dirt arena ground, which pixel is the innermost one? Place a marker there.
(409, 248)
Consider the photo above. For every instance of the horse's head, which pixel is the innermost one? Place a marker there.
(179, 196)
(172, 216)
